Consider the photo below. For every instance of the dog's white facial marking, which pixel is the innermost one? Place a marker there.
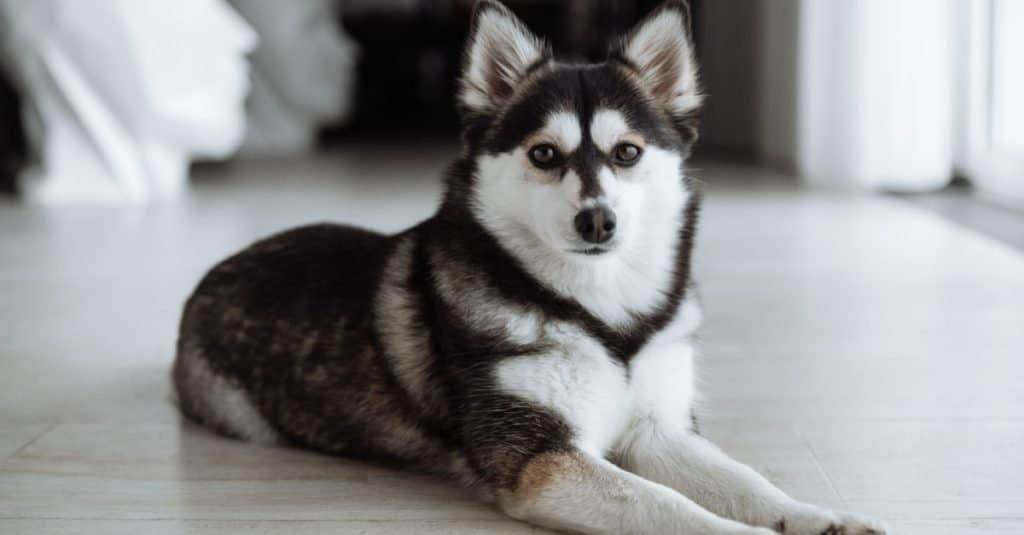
(563, 129)
(608, 128)
(572, 185)
(521, 205)
(609, 185)
(532, 214)
(577, 380)
(513, 195)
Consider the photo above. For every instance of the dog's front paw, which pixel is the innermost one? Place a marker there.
(855, 524)
(825, 522)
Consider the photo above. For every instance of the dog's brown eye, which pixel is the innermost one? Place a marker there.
(545, 156)
(626, 154)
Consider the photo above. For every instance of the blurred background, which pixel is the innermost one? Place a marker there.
(860, 254)
(873, 95)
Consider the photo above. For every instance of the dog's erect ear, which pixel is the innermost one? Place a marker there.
(500, 52)
(660, 51)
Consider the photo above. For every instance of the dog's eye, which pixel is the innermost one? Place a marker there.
(545, 156)
(626, 154)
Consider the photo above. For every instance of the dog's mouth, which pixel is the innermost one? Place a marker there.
(591, 251)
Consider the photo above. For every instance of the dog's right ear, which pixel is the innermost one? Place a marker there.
(500, 52)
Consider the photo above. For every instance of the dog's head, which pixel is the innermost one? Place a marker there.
(583, 160)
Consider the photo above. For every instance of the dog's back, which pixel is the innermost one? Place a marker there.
(278, 344)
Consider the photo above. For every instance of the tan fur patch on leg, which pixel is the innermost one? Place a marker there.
(539, 473)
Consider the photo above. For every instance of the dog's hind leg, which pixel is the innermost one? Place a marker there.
(215, 401)
(574, 491)
(688, 463)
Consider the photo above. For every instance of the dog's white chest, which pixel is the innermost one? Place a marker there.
(595, 394)
(577, 380)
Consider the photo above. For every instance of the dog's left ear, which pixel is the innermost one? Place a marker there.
(499, 54)
(659, 50)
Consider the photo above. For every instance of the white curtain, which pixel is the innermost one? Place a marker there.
(894, 95)
(992, 138)
(875, 102)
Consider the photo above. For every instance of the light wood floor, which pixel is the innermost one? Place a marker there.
(862, 353)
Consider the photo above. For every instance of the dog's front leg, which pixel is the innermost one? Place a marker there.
(679, 458)
(573, 491)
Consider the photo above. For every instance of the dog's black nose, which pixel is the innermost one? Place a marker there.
(595, 225)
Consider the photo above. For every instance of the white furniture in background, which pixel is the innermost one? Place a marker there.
(122, 94)
(304, 74)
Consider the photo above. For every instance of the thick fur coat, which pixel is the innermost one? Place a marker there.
(533, 338)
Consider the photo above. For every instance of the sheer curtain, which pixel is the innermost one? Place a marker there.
(895, 96)
(875, 102)
(992, 141)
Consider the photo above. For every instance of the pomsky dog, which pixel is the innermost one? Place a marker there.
(533, 338)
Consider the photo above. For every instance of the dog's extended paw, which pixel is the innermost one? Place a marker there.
(825, 522)
(854, 524)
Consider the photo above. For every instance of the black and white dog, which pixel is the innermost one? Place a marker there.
(532, 339)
